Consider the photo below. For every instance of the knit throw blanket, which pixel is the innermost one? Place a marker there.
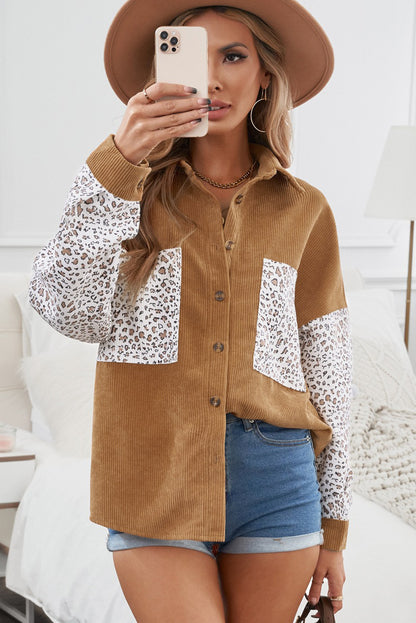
(383, 455)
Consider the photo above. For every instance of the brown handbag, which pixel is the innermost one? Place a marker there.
(324, 608)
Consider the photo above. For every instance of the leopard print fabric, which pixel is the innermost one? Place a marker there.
(277, 350)
(326, 349)
(75, 274)
(148, 332)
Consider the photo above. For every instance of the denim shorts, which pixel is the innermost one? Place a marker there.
(273, 503)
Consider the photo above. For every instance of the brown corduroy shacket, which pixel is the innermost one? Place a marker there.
(249, 317)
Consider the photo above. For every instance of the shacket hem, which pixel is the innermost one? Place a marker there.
(194, 535)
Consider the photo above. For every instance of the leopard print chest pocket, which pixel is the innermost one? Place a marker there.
(148, 331)
(277, 349)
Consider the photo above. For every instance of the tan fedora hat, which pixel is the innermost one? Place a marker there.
(129, 46)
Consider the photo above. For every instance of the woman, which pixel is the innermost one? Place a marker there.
(224, 365)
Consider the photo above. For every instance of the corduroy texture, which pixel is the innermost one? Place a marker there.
(334, 537)
(124, 178)
(158, 464)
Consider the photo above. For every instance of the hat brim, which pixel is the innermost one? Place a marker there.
(129, 46)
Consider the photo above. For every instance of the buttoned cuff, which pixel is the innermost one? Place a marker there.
(119, 176)
(335, 534)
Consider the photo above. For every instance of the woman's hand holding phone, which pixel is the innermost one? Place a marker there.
(147, 123)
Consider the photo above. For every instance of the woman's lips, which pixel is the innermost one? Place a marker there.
(220, 109)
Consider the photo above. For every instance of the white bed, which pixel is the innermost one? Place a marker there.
(58, 558)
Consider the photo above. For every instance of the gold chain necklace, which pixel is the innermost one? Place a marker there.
(230, 184)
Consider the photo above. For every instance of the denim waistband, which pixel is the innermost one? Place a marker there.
(231, 417)
(248, 424)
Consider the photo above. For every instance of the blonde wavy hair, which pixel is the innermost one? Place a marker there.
(141, 252)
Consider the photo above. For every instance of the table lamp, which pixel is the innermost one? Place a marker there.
(393, 194)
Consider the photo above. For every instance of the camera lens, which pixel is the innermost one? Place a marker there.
(164, 47)
(173, 49)
(164, 34)
(174, 40)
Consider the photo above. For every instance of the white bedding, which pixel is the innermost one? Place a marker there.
(59, 560)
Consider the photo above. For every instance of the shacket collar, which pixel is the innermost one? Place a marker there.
(269, 166)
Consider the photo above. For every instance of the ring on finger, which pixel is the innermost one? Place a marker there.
(339, 598)
(149, 99)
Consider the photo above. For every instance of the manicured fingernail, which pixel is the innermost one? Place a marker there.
(190, 90)
(203, 111)
(313, 600)
(204, 100)
(196, 121)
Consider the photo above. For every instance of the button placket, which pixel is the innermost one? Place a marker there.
(221, 296)
(228, 229)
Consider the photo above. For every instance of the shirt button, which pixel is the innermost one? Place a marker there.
(218, 347)
(219, 295)
(239, 198)
(229, 245)
(215, 401)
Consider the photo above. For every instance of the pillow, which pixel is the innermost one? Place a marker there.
(382, 369)
(60, 383)
(38, 337)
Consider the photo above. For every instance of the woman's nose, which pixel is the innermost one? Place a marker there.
(213, 88)
(214, 83)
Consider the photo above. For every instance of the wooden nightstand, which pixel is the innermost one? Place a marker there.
(16, 471)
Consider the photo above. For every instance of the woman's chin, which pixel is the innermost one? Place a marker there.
(227, 126)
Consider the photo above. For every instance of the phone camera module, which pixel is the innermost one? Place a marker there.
(164, 47)
(174, 40)
(164, 34)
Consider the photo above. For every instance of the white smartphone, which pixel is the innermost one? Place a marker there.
(182, 58)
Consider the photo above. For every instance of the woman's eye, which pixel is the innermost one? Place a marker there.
(232, 57)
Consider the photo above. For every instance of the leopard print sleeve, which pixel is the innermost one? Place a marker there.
(74, 276)
(326, 356)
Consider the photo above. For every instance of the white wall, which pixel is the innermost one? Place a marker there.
(57, 106)
(341, 132)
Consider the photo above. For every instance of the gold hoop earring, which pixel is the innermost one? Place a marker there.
(262, 99)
